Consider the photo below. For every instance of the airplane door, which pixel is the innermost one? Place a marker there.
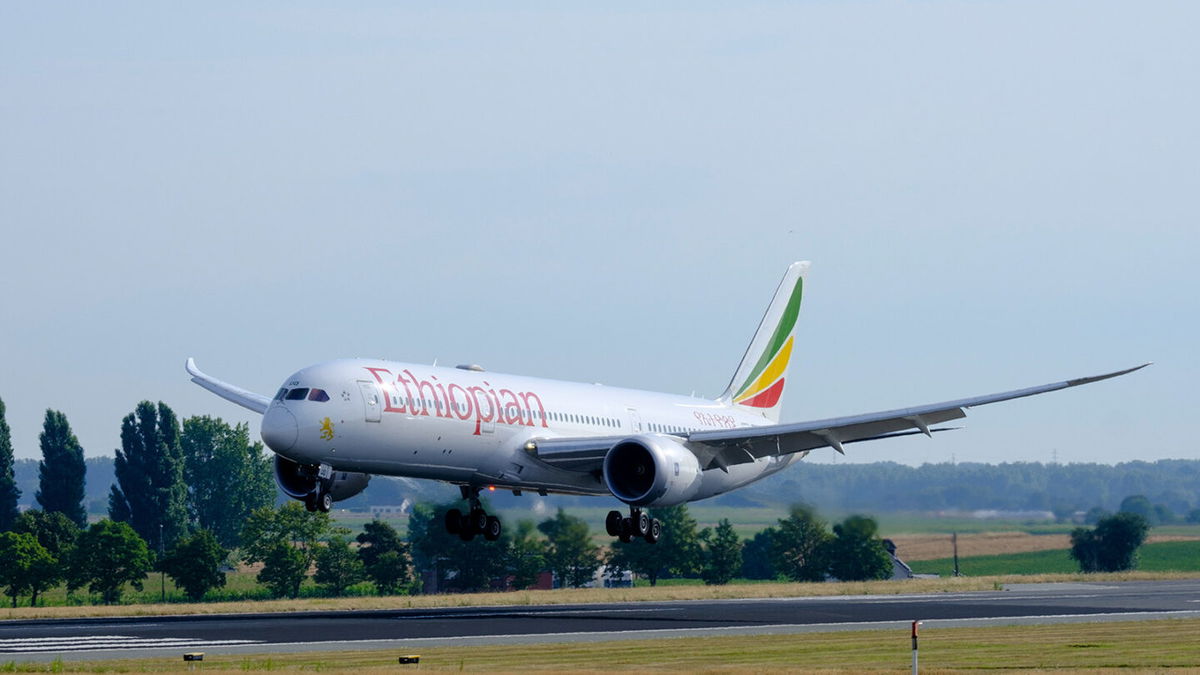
(635, 420)
(371, 402)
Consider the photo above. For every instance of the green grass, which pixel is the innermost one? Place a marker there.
(1167, 556)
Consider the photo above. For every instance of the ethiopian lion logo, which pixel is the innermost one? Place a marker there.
(327, 429)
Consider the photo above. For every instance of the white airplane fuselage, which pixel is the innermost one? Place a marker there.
(477, 428)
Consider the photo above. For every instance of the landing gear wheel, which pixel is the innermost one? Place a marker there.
(641, 522)
(325, 502)
(453, 521)
(626, 531)
(466, 533)
(655, 531)
(612, 524)
(310, 502)
(492, 530)
(478, 519)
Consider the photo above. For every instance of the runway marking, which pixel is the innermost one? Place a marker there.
(100, 642)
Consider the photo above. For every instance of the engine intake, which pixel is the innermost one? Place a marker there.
(650, 470)
(300, 480)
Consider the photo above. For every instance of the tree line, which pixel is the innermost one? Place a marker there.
(1019, 486)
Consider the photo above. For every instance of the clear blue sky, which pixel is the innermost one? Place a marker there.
(993, 195)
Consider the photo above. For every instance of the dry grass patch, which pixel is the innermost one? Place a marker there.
(937, 546)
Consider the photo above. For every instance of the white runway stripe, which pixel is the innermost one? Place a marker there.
(99, 642)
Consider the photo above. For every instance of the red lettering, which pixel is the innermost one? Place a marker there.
(389, 389)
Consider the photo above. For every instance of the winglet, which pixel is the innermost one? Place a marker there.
(247, 399)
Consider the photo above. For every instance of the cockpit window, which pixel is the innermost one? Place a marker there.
(279, 395)
(297, 394)
(318, 395)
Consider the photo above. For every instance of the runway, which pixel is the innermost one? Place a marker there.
(80, 639)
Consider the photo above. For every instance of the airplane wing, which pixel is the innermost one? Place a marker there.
(247, 399)
(725, 447)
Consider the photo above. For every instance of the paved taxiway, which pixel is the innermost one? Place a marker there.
(408, 629)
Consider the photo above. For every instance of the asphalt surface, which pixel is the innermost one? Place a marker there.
(1031, 604)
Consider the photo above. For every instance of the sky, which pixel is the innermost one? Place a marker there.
(993, 195)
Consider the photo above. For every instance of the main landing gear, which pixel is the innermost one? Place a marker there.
(637, 524)
(473, 522)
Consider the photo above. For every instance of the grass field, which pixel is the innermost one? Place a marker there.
(1094, 647)
(1180, 556)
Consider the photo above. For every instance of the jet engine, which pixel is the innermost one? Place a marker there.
(650, 470)
(300, 480)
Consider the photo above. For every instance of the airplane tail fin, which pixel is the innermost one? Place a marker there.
(758, 382)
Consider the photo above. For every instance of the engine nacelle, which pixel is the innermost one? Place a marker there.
(649, 470)
(299, 480)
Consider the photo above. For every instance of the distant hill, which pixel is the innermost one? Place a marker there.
(879, 487)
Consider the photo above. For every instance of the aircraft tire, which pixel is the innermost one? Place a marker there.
(310, 502)
(641, 524)
(466, 534)
(325, 502)
(453, 521)
(493, 529)
(655, 531)
(612, 524)
(477, 519)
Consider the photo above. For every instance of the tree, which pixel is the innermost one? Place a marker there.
(856, 552)
(799, 546)
(338, 567)
(57, 535)
(1141, 506)
(678, 552)
(61, 473)
(452, 562)
(284, 569)
(227, 476)
(25, 565)
(195, 564)
(757, 556)
(722, 556)
(384, 556)
(9, 494)
(108, 555)
(269, 531)
(527, 555)
(569, 549)
(1112, 546)
(150, 494)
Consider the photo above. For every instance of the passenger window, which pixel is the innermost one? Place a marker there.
(297, 394)
(318, 395)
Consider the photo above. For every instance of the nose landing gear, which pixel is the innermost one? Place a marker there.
(637, 524)
(475, 521)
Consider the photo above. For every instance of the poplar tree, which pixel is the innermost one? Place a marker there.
(150, 493)
(62, 471)
(9, 494)
(226, 476)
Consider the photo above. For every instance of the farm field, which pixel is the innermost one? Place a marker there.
(919, 547)
(1175, 556)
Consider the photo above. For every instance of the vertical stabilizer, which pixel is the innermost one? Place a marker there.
(758, 382)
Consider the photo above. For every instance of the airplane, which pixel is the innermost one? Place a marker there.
(334, 424)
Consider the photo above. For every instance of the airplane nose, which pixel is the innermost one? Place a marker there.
(279, 429)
